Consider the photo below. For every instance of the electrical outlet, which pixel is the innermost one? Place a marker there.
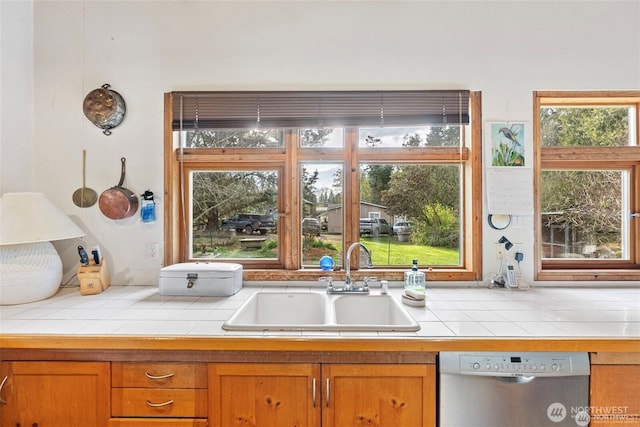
(152, 250)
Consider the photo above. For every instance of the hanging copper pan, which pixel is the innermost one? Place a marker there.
(118, 202)
(105, 108)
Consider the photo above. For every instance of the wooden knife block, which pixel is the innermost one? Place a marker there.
(93, 278)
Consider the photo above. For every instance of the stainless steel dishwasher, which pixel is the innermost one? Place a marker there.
(507, 389)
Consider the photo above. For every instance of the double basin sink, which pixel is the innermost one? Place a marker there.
(315, 311)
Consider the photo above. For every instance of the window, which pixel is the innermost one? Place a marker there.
(278, 180)
(588, 185)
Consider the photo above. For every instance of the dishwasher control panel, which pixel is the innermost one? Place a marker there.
(516, 364)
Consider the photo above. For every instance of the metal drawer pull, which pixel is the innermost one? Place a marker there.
(158, 377)
(327, 392)
(158, 405)
(4, 380)
(313, 392)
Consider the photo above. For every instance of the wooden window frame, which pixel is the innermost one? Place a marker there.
(178, 162)
(625, 158)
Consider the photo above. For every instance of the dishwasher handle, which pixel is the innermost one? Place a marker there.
(515, 380)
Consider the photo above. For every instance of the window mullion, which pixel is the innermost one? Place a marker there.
(291, 202)
(351, 188)
(634, 222)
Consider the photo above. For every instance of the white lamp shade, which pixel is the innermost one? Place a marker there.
(31, 217)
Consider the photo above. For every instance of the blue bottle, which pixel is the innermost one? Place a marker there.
(148, 209)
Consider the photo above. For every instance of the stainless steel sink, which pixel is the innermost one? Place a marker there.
(315, 311)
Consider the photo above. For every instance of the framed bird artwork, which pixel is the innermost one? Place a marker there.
(507, 141)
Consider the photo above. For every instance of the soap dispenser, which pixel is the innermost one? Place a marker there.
(414, 286)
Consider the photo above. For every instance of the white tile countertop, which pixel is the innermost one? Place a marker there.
(450, 312)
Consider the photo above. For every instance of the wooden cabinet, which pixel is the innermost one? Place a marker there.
(247, 394)
(331, 395)
(162, 394)
(615, 387)
(379, 395)
(54, 394)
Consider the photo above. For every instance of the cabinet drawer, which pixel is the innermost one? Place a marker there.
(145, 402)
(160, 375)
(158, 422)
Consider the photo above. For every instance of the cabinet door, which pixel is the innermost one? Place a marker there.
(379, 395)
(66, 394)
(264, 395)
(614, 395)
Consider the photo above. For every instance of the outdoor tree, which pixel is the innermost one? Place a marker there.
(207, 138)
(365, 186)
(315, 137)
(427, 194)
(219, 194)
(336, 186)
(309, 197)
(585, 203)
(222, 194)
(377, 179)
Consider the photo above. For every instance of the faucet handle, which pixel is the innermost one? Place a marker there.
(328, 280)
(367, 279)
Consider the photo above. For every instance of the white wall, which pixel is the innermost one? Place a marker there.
(16, 96)
(506, 49)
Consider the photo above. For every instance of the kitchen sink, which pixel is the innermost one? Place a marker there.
(273, 310)
(315, 311)
(371, 311)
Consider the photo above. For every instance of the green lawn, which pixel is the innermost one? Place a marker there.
(384, 252)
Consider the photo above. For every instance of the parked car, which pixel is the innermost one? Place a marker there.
(374, 226)
(401, 226)
(268, 224)
(311, 226)
(248, 223)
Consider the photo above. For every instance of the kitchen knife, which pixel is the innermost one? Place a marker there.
(84, 258)
(96, 256)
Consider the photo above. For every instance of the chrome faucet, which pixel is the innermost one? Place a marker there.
(348, 285)
(347, 263)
